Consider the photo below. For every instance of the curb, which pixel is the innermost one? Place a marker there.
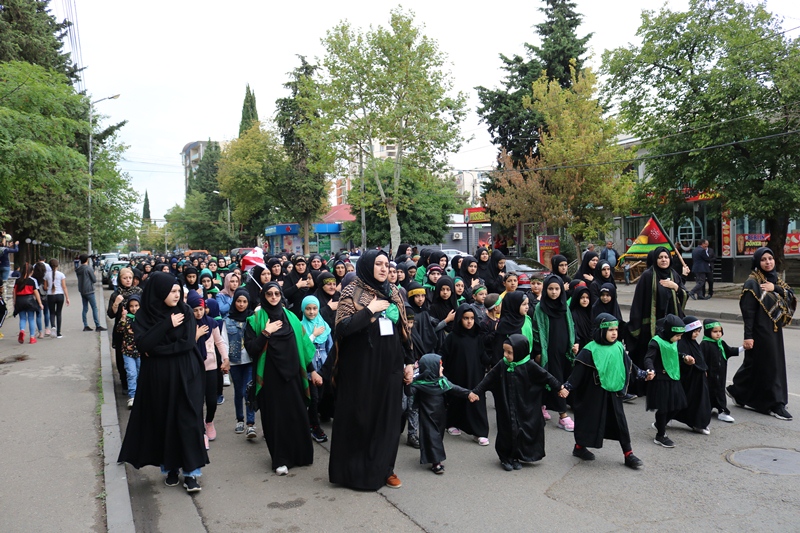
(119, 515)
(731, 317)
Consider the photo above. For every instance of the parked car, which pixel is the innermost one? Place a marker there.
(524, 265)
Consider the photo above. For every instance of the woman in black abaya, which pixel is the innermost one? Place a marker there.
(374, 346)
(282, 358)
(166, 424)
(760, 382)
(560, 267)
(587, 272)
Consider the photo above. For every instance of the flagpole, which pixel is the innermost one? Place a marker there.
(686, 268)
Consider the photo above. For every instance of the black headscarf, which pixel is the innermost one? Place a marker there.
(321, 295)
(598, 333)
(365, 270)
(585, 268)
(599, 276)
(688, 346)
(235, 314)
(581, 316)
(652, 262)
(435, 258)
(667, 324)
(612, 307)
(191, 270)
(348, 278)
(511, 321)
(494, 264)
(440, 308)
(406, 278)
(333, 270)
(454, 264)
(294, 276)
(755, 264)
(465, 275)
(553, 308)
(459, 328)
(519, 345)
(557, 260)
(153, 312)
(401, 251)
(429, 378)
(282, 346)
(424, 255)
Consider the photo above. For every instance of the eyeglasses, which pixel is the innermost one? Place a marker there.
(272, 293)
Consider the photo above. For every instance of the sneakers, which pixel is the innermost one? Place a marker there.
(482, 441)
(87, 328)
(631, 461)
(59, 336)
(172, 479)
(282, 470)
(226, 380)
(47, 332)
(21, 337)
(205, 441)
(251, 432)
(438, 468)
(211, 431)
(582, 453)
(393, 482)
(318, 435)
(190, 484)
(101, 328)
(508, 467)
(33, 340)
(725, 417)
(413, 441)
(130, 403)
(702, 431)
(454, 431)
(629, 397)
(239, 428)
(566, 424)
(545, 414)
(664, 441)
(220, 399)
(780, 412)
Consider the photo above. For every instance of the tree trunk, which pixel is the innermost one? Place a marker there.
(394, 225)
(306, 236)
(777, 227)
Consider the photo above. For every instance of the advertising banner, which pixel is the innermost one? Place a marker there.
(548, 246)
(727, 249)
(748, 243)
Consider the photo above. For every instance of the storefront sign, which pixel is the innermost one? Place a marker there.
(727, 249)
(792, 246)
(548, 246)
(476, 215)
(748, 243)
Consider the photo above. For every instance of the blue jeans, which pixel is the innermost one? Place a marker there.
(5, 271)
(27, 318)
(240, 376)
(194, 473)
(132, 365)
(88, 299)
(40, 312)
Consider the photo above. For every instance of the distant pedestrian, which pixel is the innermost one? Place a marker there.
(86, 281)
(27, 302)
(7, 246)
(610, 254)
(702, 261)
(589, 248)
(57, 295)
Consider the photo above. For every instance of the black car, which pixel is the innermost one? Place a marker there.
(531, 267)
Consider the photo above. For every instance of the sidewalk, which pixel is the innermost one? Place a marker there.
(51, 466)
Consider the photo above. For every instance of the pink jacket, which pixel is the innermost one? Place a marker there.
(215, 340)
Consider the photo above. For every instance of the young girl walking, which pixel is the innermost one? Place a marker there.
(319, 332)
(241, 369)
(130, 353)
(697, 414)
(665, 395)
(716, 353)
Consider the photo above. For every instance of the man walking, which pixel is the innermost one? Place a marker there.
(610, 254)
(702, 260)
(86, 281)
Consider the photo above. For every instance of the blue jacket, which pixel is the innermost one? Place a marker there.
(701, 260)
(4, 260)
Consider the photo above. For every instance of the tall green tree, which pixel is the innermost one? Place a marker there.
(146, 209)
(424, 212)
(249, 111)
(513, 126)
(386, 86)
(196, 225)
(716, 86)
(28, 32)
(305, 191)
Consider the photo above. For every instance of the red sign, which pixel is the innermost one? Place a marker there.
(792, 246)
(548, 246)
(476, 215)
(727, 249)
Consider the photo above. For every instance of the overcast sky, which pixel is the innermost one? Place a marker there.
(181, 67)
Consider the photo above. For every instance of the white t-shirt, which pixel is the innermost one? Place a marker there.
(57, 285)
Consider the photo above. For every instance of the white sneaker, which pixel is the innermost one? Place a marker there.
(282, 470)
(454, 431)
(725, 417)
(226, 380)
(130, 403)
(482, 441)
(703, 431)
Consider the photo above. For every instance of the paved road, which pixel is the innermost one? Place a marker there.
(690, 487)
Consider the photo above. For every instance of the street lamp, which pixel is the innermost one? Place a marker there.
(91, 129)
(229, 215)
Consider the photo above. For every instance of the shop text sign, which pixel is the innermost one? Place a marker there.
(548, 245)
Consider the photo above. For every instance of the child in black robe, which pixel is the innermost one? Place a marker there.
(697, 414)
(598, 385)
(665, 395)
(716, 352)
(464, 361)
(517, 384)
(429, 389)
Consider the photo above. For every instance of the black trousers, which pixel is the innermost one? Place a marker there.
(56, 304)
(700, 287)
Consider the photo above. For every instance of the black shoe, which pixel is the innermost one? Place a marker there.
(508, 467)
(172, 479)
(631, 461)
(438, 468)
(413, 441)
(190, 484)
(629, 397)
(706, 298)
(780, 412)
(318, 435)
(583, 453)
(693, 295)
(100, 328)
(515, 464)
(664, 441)
(87, 328)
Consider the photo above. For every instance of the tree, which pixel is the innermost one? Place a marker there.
(385, 86)
(304, 193)
(146, 209)
(197, 225)
(424, 212)
(578, 180)
(513, 126)
(249, 111)
(28, 32)
(716, 87)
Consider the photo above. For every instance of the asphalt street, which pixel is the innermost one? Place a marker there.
(691, 487)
